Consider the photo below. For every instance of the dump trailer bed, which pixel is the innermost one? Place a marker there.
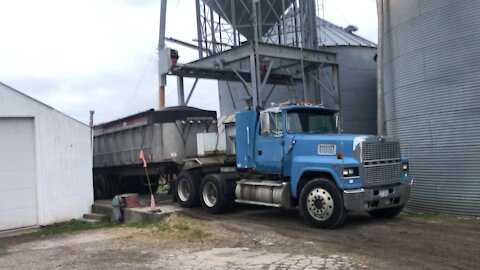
(167, 137)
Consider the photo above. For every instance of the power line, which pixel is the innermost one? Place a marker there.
(339, 12)
(138, 84)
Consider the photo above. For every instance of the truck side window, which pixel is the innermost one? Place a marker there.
(271, 123)
(276, 128)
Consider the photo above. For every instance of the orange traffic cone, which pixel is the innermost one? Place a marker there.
(153, 206)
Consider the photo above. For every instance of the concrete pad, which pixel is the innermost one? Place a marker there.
(143, 213)
(146, 215)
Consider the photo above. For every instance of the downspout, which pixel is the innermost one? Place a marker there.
(380, 100)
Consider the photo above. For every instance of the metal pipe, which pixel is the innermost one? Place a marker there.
(162, 79)
(188, 45)
(161, 96)
(180, 91)
(380, 102)
(255, 59)
(234, 23)
(199, 28)
(212, 29)
(336, 86)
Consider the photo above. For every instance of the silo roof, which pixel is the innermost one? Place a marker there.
(333, 35)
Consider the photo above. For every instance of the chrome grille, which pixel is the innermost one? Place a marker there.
(382, 163)
(383, 174)
(380, 151)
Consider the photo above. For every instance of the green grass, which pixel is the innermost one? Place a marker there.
(175, 227)
(163, 188)
(181, 226)
(70, 227)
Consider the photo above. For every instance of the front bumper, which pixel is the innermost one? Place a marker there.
(376, 198)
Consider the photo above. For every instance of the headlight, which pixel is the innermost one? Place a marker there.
(350, 172)
(405, 166)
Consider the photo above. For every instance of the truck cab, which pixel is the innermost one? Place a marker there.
(325, 173)
(295, 157)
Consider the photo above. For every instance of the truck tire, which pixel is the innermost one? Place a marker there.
(103, 187)
(99, 187)
(321, 204)
(142, 185)
(212, 195)
(387, 212)
(186, 190)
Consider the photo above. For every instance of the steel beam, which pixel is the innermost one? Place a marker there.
(269, 50)
(227, 74)
(284, 52)
(191, 91)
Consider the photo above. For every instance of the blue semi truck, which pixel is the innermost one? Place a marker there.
(295, 157)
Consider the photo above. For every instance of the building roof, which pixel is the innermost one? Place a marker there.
(329, 34)
(333, 35)
(7, 87)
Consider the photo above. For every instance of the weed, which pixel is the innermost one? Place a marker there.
(198, 234)
(181, 226)
(177, 227)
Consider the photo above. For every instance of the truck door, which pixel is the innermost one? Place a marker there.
(268, 150)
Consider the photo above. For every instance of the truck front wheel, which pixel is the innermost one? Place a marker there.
(321, 204)
(186, 191)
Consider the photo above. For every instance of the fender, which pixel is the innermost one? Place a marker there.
(297, 174)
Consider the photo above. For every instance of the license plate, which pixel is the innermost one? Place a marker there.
(383, 193)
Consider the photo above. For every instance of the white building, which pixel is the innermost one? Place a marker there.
(45, 163)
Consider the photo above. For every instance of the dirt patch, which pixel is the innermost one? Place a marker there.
(254, 238)
(407, 242)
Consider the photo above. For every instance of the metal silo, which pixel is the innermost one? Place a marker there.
(432, 99)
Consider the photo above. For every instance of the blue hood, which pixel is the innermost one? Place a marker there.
(306, 144)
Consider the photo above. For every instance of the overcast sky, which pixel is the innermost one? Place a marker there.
(82, 55)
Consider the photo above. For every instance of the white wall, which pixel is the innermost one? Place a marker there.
(63, 158)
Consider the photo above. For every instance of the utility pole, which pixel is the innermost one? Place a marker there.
(162, 78)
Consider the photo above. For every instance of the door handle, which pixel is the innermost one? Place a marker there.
(260, 152)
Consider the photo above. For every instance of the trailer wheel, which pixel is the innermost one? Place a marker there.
(103, 187)
(99, 187)
(186, 191)
(142, 185)
(386, 213)
(321, 204)
(212, 195)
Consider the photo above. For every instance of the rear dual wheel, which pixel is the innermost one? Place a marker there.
(212, 195)
(210, 192)
(186, 191)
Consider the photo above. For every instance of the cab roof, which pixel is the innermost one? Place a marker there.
(300, 107)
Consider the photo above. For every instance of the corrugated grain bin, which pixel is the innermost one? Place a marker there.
(432, 94)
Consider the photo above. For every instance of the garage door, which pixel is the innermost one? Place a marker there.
(18, 201)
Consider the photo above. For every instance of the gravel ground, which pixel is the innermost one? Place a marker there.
(254, 238)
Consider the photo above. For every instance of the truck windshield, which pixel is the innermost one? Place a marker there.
(308, 122)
